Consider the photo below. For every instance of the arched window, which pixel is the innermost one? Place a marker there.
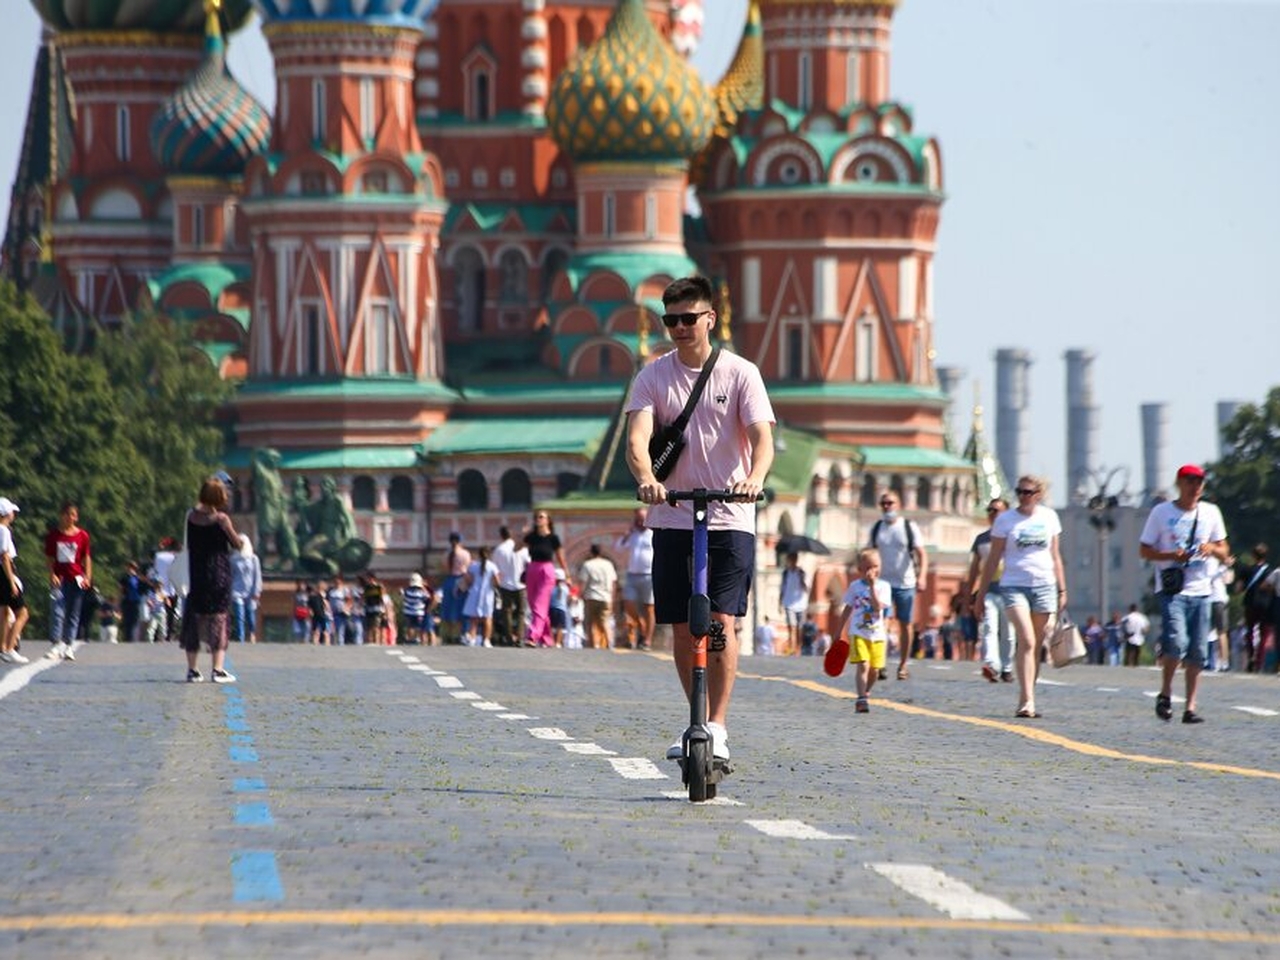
(400, 494)
(364, 495)
(468, 289)
(473, 491)
(924, 493)
(897, 485)
(567, 483)
(869, 491)
(517, 491)
(513, 273)
(552, 264)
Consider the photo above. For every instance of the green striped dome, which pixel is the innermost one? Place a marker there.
(630, 96)
(211, 125)
(160, 16)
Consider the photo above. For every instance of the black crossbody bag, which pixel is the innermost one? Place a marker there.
(1173, 579)
(667, 442)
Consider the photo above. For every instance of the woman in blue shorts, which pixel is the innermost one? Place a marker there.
(1033, 584)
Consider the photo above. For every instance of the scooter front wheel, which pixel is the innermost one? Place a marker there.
(696, 766)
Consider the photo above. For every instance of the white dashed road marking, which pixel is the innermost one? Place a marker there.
(1108, 689)
(447, 682)
(636, 768)
(515, 716)
(717, 801)
(465, 695)
(589, 749)
(1258, 711)
(549, 733)
(488, 705)
(956, 899)
(795, 830)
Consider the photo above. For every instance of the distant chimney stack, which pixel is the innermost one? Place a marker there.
(1082, 425)
(1012, 410)
(1155, 451)
(949, 381)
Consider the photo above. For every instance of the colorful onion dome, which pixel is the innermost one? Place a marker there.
(630, 96)
(159, 16)
(742, 86)
(394, 13)
(211, 126)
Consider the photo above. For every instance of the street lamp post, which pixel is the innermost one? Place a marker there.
(1101, 507)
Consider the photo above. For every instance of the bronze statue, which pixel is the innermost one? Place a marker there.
(272, 510)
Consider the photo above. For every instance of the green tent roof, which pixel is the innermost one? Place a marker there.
(527, 435)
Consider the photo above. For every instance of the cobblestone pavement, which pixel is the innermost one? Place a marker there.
(462, 802)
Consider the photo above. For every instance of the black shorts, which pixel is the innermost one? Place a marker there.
(8, 598)
(731, 555)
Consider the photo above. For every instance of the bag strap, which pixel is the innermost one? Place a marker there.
(682, 421)
(1191, 537)
(1258, 575)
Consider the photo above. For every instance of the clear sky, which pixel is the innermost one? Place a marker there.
(1110, 168)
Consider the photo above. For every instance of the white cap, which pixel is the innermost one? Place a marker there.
(559, 574)
(8, 507)
(415, 580)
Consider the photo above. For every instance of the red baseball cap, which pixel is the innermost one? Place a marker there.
(1191, 470)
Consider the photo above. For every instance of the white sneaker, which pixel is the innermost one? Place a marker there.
(69, 653)
(16, 657)
(6, 657)
(56, 651)
(719, 744)
(221, 676)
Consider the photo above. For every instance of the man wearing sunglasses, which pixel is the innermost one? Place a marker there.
(729, 445)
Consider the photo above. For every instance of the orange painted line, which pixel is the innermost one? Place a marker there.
(542, 918)
(1023, 730)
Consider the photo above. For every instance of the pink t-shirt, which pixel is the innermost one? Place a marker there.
(717, 452)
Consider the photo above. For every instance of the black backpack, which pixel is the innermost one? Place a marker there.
(911, 539)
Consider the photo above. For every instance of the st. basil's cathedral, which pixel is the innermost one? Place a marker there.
(433, 272)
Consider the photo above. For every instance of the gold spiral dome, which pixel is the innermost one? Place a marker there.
(630, 96)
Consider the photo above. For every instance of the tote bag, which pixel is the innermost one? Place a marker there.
(1066, 646)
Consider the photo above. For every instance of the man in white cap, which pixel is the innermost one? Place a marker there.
(15, 608)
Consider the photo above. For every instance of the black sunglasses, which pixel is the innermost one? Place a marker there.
(670, 320)
(1026, 493)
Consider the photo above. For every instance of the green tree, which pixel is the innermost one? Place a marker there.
(1245, 483)
(126, 432)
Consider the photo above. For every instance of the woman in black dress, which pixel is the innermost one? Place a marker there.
(210, 539)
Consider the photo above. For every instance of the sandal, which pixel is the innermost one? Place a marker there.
(902, 672)
(1026, 713)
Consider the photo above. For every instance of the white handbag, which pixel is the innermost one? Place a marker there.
(1066, 646)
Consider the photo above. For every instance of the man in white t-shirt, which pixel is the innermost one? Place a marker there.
(1182, 537)
(511, 563)
(794, 600)
(728, 446)
(637, 585)
(599, 580)
(904, 565)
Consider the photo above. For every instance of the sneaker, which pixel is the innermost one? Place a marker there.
(221, 676)
(861, 706)
(69, 653)
(719, 741)
(1190, 716)
(194, 676)
(16, 657)
(719, 744)
(989, 673)
(1006, 676)
(56, 651)
(6, 657)
(1164, 707)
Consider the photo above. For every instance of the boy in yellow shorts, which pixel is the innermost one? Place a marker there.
(865, 602)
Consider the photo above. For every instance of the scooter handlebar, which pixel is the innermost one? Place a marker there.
(723, 496)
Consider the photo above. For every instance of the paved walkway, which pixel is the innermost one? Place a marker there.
(465, 802)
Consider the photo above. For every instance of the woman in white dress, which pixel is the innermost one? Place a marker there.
(482, 592)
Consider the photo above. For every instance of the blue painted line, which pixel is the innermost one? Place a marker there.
(249, 784)
(243, 754)
(254, 874)
(235, 710)
(237, 726)
(254, 815)
(243, 739)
